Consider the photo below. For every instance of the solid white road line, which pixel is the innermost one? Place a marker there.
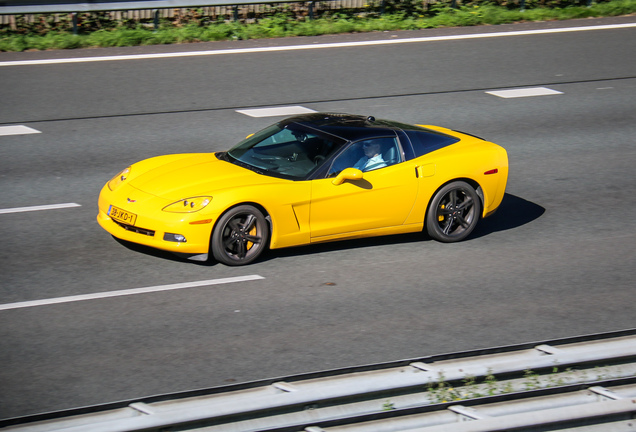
(524, 92)
(38, 208)
(315, 46)
(17, 130)
(276, 111)
(127, 292)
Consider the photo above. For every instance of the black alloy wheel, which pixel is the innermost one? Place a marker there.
(240, 236)
(453, 212)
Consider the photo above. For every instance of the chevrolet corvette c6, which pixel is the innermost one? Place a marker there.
(308, 179)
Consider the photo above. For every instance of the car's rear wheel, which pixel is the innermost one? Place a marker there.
(453, 212)
(240, 236)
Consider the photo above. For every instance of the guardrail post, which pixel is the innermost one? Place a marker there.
(236, 17)
(155, 19)
(522, 5)
(74, 22)
(311, 10)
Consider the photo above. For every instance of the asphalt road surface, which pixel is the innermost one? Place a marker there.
(557, 259)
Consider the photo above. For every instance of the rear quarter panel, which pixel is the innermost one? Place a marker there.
(469, 159)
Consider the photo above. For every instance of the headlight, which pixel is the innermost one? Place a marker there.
(118, 179)
(188, 205)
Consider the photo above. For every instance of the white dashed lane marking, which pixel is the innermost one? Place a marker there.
(524, 92)
(17, 130)
(38, 208)
(134, 291)
(276, 111)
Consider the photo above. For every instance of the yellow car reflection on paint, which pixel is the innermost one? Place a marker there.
(307, 179)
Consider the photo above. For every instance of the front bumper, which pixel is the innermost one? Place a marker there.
(152, 224)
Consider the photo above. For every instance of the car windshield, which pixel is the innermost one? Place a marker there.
(291, 151)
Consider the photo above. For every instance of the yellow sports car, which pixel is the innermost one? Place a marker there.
(308, 179)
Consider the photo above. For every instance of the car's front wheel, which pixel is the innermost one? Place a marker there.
(453, 212)
(240, 236)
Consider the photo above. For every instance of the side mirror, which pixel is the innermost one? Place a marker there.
(347, 174)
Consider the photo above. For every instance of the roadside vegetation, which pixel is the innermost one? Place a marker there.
(46, 32)
(472, 387)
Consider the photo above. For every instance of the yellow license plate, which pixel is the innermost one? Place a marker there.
(122, 215)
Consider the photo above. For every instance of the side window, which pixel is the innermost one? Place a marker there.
(427, 141)
(367, 155)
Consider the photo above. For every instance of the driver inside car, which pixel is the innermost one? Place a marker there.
(372, 158)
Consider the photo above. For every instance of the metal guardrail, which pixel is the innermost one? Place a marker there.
(121, 6)
(157, 9)
(400, 396)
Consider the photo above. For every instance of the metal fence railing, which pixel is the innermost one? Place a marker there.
(155, 10)
(151, 12)
(595, 385)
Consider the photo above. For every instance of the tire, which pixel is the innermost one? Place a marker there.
(453, 212)
(240, 236)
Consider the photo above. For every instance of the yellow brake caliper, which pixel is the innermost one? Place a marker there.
(441, 217)
(252, 233)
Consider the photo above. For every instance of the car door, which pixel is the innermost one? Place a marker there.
(383, 197)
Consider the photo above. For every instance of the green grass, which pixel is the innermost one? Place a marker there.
(283, 25)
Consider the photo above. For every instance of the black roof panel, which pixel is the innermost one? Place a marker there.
(348, 126)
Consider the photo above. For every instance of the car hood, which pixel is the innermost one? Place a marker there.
(183, 176)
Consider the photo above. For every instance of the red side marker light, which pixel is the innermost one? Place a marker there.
(492, 171)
